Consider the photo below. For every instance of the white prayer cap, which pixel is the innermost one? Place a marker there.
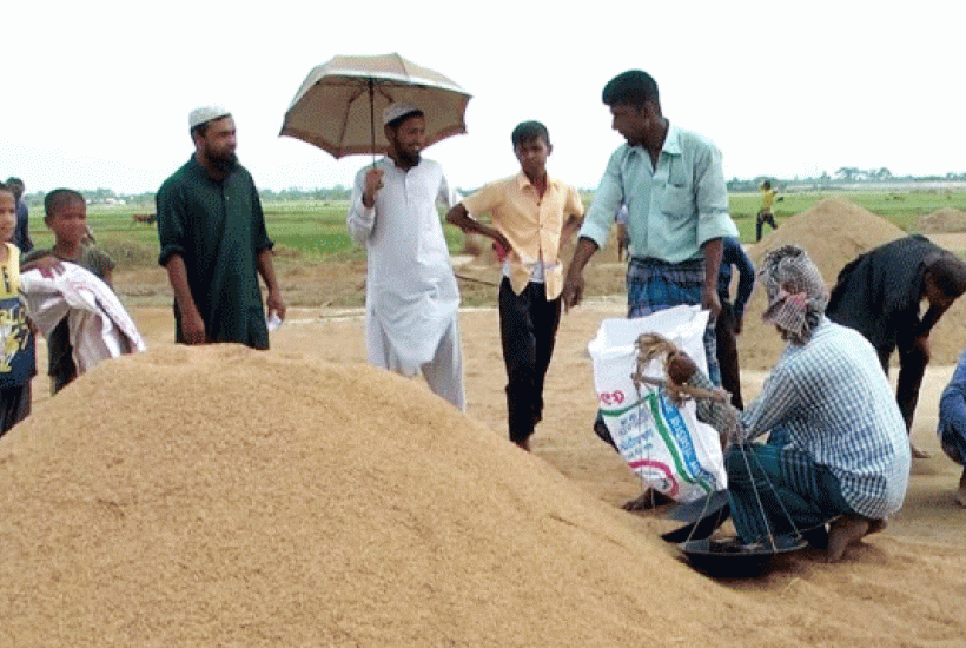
(396, 110)
(205, 114)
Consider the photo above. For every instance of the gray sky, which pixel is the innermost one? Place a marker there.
(99, 92)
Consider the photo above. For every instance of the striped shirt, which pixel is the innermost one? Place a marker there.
(832, 400)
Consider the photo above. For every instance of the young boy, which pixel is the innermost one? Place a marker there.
(66, 217)
(532, 215)
(17, 360)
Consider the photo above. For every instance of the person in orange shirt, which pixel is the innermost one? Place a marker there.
(531, 216)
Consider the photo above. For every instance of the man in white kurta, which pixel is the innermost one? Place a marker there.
(411, 292)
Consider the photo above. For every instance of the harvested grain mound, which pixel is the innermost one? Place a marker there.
(223, 497)
(946, 219)
(217, 496)
(834, 232)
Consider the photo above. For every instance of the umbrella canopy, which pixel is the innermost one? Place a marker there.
(339, 106)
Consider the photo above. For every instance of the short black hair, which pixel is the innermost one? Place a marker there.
(766, 184)
(57, 198)
(397, 122)
(529, 131)
(633, 88)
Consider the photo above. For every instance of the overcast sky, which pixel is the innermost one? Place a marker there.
(98, 92)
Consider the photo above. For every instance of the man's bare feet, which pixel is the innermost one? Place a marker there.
(523, 445)
(846, 530)
(961, 493)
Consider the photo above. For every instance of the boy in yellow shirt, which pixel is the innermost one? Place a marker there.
(532, 215)
(765, 214)
(17, 360)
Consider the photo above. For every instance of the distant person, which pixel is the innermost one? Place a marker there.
(21, 233)
(66, 217)
(214, 244)
(18, 363)
(844, 459)
(952, 423)
(533, 215)
(879, 294)
(623, 238)
(729, 324)
(411, 292)
(765, 214)
(673, 185)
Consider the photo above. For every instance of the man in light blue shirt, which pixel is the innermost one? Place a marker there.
(673, 185)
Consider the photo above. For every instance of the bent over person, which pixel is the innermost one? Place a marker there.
(837, 451)
(879, 295)
(532, 215)
(214, 244)
(411, 292)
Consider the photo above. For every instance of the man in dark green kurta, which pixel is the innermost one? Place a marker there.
(214, 243)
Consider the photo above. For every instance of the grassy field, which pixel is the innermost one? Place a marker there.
(316, 229)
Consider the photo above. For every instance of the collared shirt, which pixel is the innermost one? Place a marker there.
(218, 228)
(411, 291)
(533, 225)
(833, 400)
(673, 209)
(733, 256)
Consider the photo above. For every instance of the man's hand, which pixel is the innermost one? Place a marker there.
(922, 346)
(193, 327)
(373, 183)
(47, 265)
(573, 291)
(275, 304)
(680, 368)
(710, 301)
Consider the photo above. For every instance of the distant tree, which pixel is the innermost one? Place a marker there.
(848, 173)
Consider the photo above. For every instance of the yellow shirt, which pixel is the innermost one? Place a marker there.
(767, 199)
(531, 223)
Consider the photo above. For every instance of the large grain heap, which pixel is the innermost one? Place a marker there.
(218, 496)
(834, 232)
(944, 220)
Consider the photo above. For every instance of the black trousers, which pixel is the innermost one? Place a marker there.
(528, 329)
(912, 368)
(763, 217)
(727, 352)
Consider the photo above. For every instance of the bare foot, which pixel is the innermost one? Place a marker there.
(846, 530)
(648, 500)
(961, 493)
(523, 445)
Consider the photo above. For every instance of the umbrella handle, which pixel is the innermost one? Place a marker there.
(372, 119)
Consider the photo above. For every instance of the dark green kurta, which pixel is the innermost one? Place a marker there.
(218, 228)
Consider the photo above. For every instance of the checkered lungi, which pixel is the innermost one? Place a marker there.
(780, 490)
(654, 285)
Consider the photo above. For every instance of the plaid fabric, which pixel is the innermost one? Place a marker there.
(830, 399)
(654, 285)
(778, 491)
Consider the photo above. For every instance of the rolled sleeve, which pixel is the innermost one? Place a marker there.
(172, 214)
(711, 197)
(607, 200)
(483, 201)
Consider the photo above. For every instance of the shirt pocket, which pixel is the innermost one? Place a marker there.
(677, 201)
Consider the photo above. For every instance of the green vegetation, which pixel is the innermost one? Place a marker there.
(316, 228)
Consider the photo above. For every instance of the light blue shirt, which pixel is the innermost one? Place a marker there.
(672, 209)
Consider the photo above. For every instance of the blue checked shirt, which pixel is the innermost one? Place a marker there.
(831, 399)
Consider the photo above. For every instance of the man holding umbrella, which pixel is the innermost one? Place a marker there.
(411, 292)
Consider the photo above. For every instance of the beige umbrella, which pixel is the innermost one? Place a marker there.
(336, 107)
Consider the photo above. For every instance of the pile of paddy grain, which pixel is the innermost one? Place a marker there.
(834, 232)
(218, 496)
(946, 219)
(224, 497)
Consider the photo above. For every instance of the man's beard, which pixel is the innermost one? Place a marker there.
(407, 158)
(225, 162)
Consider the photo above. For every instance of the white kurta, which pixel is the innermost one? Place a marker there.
(411, 292)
